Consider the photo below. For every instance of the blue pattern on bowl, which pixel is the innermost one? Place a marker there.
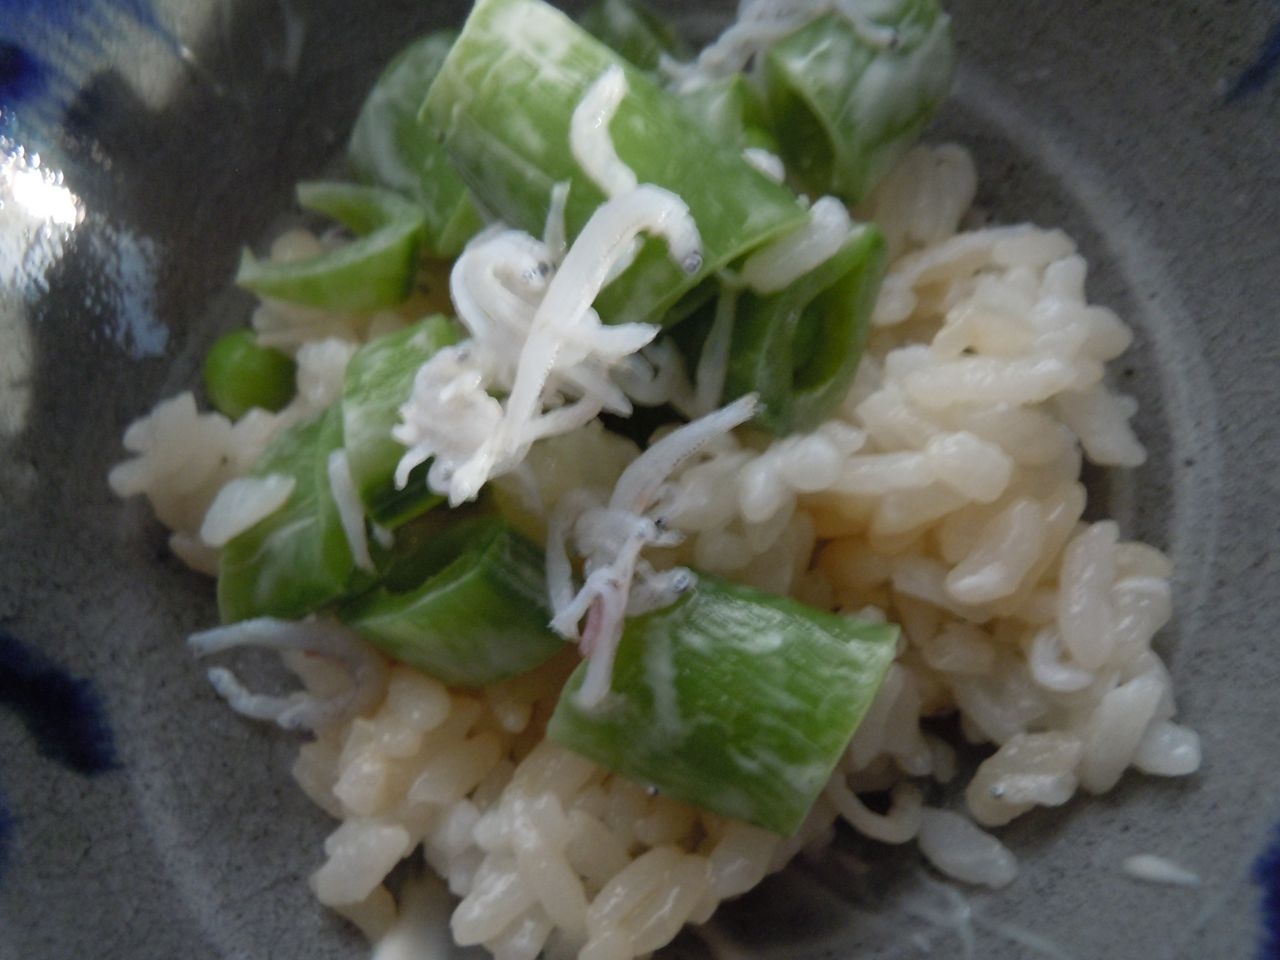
(21, 73)
(62, 713)
(47, 49)
(49, 54)
(1266, 874)
(1263, 68)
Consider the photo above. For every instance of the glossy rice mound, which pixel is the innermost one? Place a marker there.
(945, 497)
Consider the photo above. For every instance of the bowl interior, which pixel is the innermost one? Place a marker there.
(170, 134)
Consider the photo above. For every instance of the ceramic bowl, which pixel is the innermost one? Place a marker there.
(142, 143)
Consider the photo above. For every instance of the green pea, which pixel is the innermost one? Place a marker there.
(239, 375)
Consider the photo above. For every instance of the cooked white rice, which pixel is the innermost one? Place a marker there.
(946, 497)
(1154, 869)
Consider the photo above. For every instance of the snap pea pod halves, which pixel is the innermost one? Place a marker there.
(298, 559)
(851, 90)
(799, 348)
(634, 31)
(733, 700)
(504, 101)
(392, 148)
(375, 270)
(379, 379)
(468, 606)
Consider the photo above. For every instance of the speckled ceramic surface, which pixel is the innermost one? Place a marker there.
(141, 820)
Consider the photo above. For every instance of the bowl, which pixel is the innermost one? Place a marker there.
(142, 143)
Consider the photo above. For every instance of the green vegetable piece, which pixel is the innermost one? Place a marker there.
(848, 97)
(378, 381)
(733, 700)
(390, 147)
(296, 560)
(634, 31)
(239, 375)
(730, 111)
(799, 348)
(469, 607)
(761, 139)
(505, 98)
(374, 271)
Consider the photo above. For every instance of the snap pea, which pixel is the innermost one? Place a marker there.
(297, 560)
(468, 607)
(730, 111)
(373, 271)
(378, 381)
(798, 349)
(850, 91)
(504, 100)
(634, 31)
(390, 147)
(732, 700)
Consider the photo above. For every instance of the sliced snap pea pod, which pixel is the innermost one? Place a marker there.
(732, 700)
(849, 94)
(730, 111)
(296, 560)
(468, 607)
(379, 380)
(799, 348)
(390, 147)
(634, 31)
(373, 271)
(240, 374)
(505, 98)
